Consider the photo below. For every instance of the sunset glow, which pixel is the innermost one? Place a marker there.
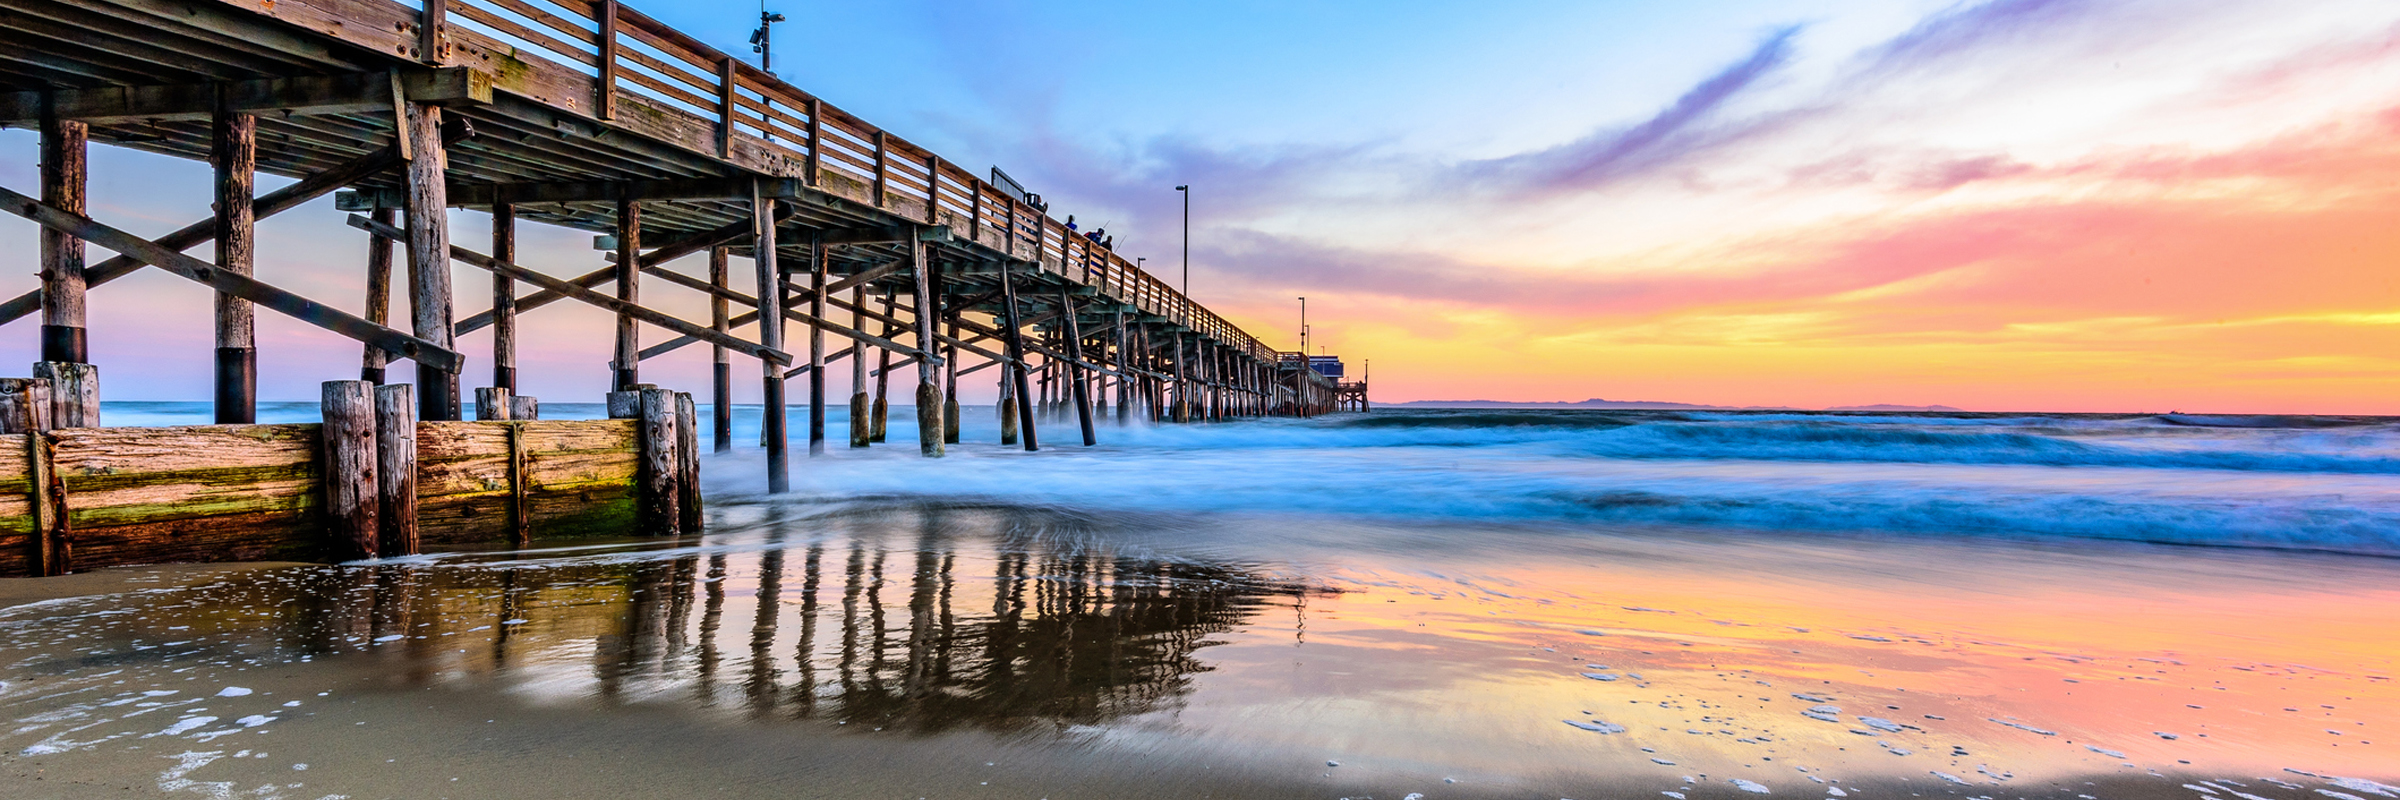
(2138, 205)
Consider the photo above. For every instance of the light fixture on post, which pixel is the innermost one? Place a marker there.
(760, 40)
(1187, 238)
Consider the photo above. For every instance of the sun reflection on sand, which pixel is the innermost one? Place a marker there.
(1525, 660)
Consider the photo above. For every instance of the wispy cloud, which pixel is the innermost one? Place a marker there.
(1682, 128)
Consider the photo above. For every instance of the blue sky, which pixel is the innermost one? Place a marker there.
(1803, 202)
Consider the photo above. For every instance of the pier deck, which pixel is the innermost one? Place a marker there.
(592, 116)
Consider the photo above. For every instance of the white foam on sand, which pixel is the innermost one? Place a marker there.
(183, 726)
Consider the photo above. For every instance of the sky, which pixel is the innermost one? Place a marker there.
(2055, 205)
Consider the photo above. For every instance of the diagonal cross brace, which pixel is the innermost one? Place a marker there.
(243, 286)
(752, 349)
(189, 236)
(730, 295)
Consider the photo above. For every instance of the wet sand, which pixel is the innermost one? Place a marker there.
(910, 650)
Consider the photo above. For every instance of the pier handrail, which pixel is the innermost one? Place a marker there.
(630, 56)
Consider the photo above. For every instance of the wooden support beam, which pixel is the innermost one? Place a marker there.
(764, 214)
(433, 32)
(881, 168)
(805, 369)
(605, 13)
(379, 298)
(883, 382)
(233, 149)
(814, 321)
(816, 140)
(726, 68)
(346, 93)
(860, 431)
(720, 410)
(1015, 338)
(1124, 386)
(929, 392)
(504, 298)
(722, 235)
(950, 421)
(242, 286)
(428, 241)
(1083, 389)
(193, 235)
(572, 291)
(818, 263)
(65, 171)
(628, 360)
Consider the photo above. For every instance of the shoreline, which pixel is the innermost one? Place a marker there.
(1113, 654)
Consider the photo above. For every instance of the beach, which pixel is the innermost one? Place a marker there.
(1445, 604)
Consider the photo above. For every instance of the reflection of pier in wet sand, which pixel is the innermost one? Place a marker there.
(972, 622)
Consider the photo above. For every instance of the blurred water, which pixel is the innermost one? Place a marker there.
(2295, 482)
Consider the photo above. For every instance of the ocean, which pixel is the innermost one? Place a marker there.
(1406, 603)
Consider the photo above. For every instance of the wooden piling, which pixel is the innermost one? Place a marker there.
(348, 469)
(25, 406)
(625, 404)
(661, 474)
(65, 172)
(629, 273)
(770, 335)
(950, 422)
(817, 266)
(1074, 366)
(930, 434)
(493, 404)
(687, 464)
(504, 300)
(522, 408)
(1007, 407)
(883, 375)
(720, 411)
(379, 296)
(1014, 335)
(396, 470)
(1183, 384)
(234, 151)
(74, 393)
(861, 427)
(429, 296)
(520, 511)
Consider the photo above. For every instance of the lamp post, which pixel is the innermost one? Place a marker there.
(1187, 238)
(759, 39)
(1304, 333)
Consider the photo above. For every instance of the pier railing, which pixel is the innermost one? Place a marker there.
(604, 59)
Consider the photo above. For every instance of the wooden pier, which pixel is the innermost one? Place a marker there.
(593, 116)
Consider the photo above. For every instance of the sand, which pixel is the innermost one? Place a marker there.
(902, 650)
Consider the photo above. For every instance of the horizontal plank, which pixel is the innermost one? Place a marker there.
(86, 452)
(259, 536)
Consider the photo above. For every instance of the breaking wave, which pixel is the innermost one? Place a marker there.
(2330, 484)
